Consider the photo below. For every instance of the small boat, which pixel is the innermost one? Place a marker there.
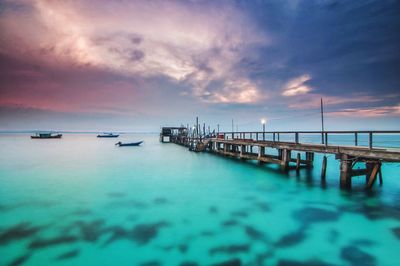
(128, 144)
(47, 136)
(108, 135)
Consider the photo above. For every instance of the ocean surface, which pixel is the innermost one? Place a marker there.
(81, 200)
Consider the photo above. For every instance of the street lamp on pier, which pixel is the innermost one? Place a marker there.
(263, 122)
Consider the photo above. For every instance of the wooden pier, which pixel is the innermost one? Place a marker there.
(255, 146)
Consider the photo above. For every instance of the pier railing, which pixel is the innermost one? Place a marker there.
(363, 138)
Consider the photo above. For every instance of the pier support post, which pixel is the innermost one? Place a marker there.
(242, 151)
(261, 152)
(286, 154)
(323, 171)
(372, 175)
(345, 171)
(298, 162)
(310, 158)
(280, 154)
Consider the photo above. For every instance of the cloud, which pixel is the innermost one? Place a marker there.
(369, 112)
(313, 100)
(190, 43)
(296, 86)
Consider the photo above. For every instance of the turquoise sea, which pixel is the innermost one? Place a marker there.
(83, 201)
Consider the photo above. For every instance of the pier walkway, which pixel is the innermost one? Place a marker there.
(267, 147)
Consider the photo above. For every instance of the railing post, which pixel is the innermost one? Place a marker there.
(356, 138)
(278, 136)
(273, 136)
(370, 140)
(251, 135)
(232, 135)
(296, 137)
(263, 136)
(257, 136)
(322, 137)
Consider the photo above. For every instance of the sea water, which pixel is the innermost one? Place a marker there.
(81, 200)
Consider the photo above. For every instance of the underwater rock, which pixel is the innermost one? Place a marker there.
(362, 242)
(263, 206)
(373, 212)
(356, 257)
(302, 263)
(229, 223)
(141, 233)
(232, 262)
(333, 236)
(311, 215)
(240, 213)
(151, 263)
(183, 248)
(43, 243)
(213, 210)
(231, 249)
(254, 233)
(18, 232)
(20, 260)
(127, 204)
(91, 231)
(291, 239)
(189, 263)
(68, 255)
(207, 233)
(160, 201)
(396, 232)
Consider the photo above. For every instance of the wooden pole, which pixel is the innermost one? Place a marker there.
(370, 140)
(298, 162)
(322, 121)
(373, 175)
(197, 126)
(356, 139)
(323, 171)
(345, 170)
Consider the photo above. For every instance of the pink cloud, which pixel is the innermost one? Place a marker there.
(313, 100)
(297, 86)
(193, 46)
(368, 112)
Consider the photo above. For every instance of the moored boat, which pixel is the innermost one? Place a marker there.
(46, 136)
(108, 135)
(128, 144)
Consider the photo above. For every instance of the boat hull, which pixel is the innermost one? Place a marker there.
(47, 137)
(107, 136)
(129, 144)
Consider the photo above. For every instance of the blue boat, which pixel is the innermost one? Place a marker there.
(108, 135)
(128, 144)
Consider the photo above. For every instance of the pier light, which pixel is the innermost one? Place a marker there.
(263, 122)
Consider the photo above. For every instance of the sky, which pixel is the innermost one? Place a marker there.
(138, 65)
